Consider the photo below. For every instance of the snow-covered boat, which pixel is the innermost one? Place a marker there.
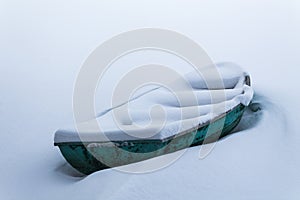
(219, 111)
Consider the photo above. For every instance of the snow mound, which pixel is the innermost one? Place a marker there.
(160, 113)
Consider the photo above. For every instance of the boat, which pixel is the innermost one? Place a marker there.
(88, 152)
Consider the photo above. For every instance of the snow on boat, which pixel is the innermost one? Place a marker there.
(89, 152)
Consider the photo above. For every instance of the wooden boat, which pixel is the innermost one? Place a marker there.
(88, 156)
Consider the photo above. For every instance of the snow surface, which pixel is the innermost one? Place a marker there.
(43, 45)
(193, 106)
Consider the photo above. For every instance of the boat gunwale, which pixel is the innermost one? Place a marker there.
(199, 126)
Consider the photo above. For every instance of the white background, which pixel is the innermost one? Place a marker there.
(44, 43)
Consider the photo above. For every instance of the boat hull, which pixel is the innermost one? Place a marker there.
(90, 157)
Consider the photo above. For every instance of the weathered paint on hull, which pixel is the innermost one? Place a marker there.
(90, 157)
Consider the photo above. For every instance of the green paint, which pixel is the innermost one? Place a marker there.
(120, 153)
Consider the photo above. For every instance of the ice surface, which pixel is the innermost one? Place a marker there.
(43, 45)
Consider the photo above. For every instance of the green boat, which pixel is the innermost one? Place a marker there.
(89, 155)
